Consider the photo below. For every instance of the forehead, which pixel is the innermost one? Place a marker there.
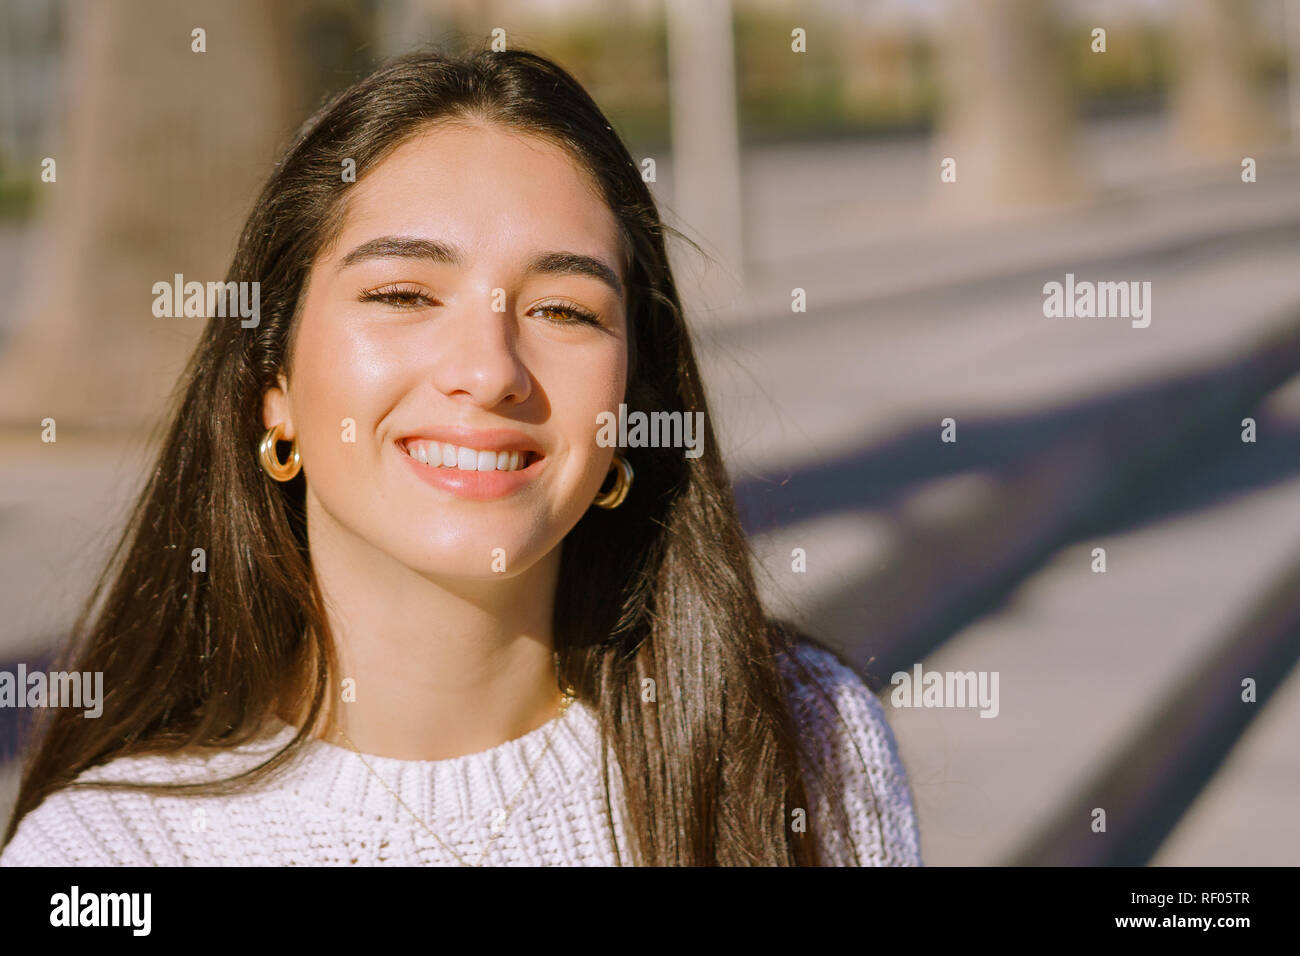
(494, 191)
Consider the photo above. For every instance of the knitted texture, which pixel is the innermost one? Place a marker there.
(327, 809)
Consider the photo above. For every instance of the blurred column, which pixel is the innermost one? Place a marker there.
(1217, 105)
(705, 135)
(1006, 117)
(159, 152)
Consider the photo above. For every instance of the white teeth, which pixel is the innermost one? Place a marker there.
(441, 454)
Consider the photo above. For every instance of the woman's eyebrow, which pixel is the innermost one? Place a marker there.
(548, 263)
(404, 247)
(575, 263)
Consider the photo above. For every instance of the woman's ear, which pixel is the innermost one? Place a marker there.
(275, 407)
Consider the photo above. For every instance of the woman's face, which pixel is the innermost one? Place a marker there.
(471, 314)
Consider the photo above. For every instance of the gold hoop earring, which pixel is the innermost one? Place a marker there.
(622, 484)
(270, 459)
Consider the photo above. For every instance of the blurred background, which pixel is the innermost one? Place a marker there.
(801, 145)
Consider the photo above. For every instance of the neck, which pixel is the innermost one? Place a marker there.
(429, 669)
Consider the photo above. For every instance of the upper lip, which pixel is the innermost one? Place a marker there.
(480, 439)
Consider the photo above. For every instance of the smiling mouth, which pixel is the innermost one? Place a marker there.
(437, 454)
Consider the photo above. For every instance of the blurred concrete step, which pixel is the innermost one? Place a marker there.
(1082, 660)
(818, 387)
(1087, 659)
(1258, 785)
(955, 261)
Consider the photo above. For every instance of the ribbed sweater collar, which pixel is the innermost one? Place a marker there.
(469, 787)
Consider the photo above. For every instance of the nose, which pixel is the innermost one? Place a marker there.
(476, 356)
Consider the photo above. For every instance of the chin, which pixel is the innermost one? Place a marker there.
(472, 557)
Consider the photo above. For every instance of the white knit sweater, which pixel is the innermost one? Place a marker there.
(327, 809)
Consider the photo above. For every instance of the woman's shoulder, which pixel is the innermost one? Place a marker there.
(80, 826)
(84, 825)
(845, 730)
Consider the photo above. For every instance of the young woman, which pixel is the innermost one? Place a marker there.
(449, 625)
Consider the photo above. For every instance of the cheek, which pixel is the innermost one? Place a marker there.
(579, 397)
(342, 383)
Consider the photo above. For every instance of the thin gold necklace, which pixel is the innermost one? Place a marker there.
(498, 828)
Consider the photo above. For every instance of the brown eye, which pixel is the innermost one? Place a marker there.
(567, 312)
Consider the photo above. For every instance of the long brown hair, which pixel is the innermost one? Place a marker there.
(660, 588)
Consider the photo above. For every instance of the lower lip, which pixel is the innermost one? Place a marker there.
(474, 485)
